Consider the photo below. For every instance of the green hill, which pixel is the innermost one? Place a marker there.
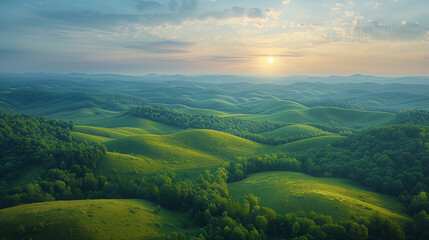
(188, 149)
(83, 137)
(305, 144)
(350, 118)
(89, 219)
(271, 106)
(296, 130)
(124, 166)
(340, 198)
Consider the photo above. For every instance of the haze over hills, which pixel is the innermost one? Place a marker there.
(219, 78)
(191, 143)
(392, 95)
(214, 120)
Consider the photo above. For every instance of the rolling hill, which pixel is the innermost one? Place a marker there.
(296, 130)
(349, 118)
(90, 219)
(305, 144)
(191, 148)
(340, 198)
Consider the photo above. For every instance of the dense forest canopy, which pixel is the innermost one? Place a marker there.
(418, 117)
(29, 142)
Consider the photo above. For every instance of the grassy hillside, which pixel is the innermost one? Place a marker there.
(103, 134)
(188, 149)
(350, 118)
(295, 130)
(83, 137)
(305, 144)
(340, 198)
(271, 106)
(125, 166)
(89, 219)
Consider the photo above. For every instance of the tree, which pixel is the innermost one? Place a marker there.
(89, 182)
(358, 232)
(295, 229)
(237, 234)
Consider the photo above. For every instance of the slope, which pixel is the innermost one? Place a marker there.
(89, 219)
(349, 118)
(296, 130)
(187, 149)
(340, 198)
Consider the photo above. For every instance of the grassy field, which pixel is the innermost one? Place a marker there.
(350, 118)
(101, 119)
(340, 198)
(125, 166)
(90, 219)
(186, 150)
(296, 130)
(271, 106)
(305, 144)
(189, 152)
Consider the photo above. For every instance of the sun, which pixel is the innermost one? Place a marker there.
(270, 60)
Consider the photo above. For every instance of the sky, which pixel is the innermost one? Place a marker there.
(247, 37)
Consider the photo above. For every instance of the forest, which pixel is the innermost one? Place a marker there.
(389, 159)
(28, 142)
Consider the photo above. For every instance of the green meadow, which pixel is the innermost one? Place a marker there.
(342, 199)
(91, 219)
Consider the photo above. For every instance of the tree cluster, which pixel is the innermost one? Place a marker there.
(419, 117)
(33, 142)
(222, 217)
(389, 159)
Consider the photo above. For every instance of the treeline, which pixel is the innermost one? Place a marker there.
(215, 104)
(222, 217)
(240, 167)
(418, 117)
(390, 159)
(28, 142)
(203, 121)
(208, 200)
(242, 128)
(333, 127)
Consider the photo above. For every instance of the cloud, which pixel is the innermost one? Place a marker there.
(349, 13)
(228, 59)
(373, 4)
(286, 2)
(163, 47)
(171, 5)
(87, 18)
(247, 58)
(255, 13)
(146, 6)
(153, 14)
(233, 12)
(403, 31)
(10, 51)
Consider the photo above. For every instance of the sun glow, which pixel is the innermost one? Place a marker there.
(270, 60)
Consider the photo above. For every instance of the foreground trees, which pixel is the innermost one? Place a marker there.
(28, 143)
(390, 159)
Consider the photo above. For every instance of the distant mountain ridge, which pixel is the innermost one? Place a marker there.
(219, 78)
